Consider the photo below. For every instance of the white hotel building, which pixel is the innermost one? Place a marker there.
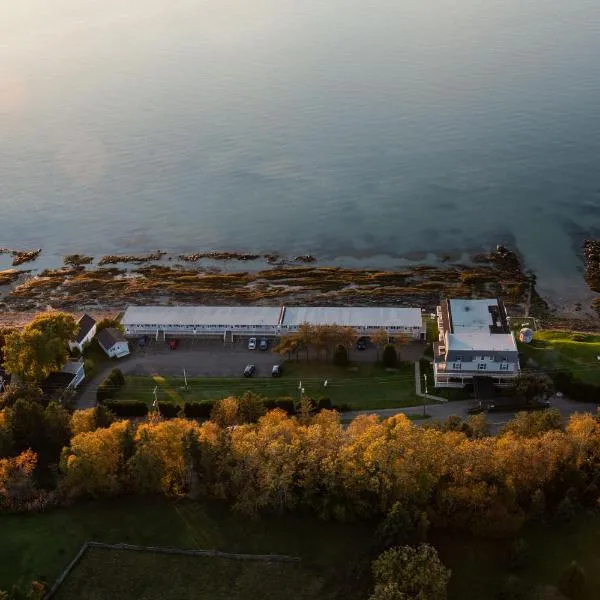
(232, 322)
(474, 341)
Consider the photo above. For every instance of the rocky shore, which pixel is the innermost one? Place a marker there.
(591, 257)
(73, 287)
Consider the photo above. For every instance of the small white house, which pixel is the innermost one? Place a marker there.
(111, 340)
(85, 334)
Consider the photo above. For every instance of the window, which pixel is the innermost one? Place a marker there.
(504, 366)
(457, 366)
(459, 358)
(481, 366)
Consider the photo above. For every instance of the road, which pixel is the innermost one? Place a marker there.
(460, 408)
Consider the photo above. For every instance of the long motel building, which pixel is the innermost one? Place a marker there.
(231, 322)
(475, 343)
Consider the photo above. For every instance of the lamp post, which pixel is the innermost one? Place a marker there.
(425, 396)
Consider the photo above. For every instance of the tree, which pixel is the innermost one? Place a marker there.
(41, 347)
(572, 581)
(340, 357)
(91, 419)
(534, 386)
(57, 432)
(16, 480)
(15, 391)
(400, 341)
(389, 358)
(380, 339)
(533, 424)
(410, 573)
(479, 426)
(108, 322)
(26, 423)
(402, 526)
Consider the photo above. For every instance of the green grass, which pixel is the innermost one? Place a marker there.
(120, 574)
(363, 387)
(41, 546)
(575, 352)
(480, 566)
(92, 352)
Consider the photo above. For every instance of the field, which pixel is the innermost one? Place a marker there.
(154, 576)
(479, 567)
(363, 387)
(575, 352)
(41, 546)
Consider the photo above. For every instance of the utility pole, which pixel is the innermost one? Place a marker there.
(185, 379)
(155, 403)
(425, 396)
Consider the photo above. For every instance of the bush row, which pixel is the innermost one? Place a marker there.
(202, 410)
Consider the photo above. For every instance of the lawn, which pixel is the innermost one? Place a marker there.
(362, 387)
(575, 352)
(480, 566)
(155, 576)
(41, 546)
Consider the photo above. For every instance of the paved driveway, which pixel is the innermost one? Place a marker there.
(460, 408)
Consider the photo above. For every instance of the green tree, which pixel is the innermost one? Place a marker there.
(108, 322)
(26, 423)
(410, 573)
(41, 347)
(57, 431)
(402, 527)
(389, 358)
(25, 391)
(534, 386)
(340, 357)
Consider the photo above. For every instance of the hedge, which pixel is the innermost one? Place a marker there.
(127, 408)
(168, 409)
(576, 390)
(198, 410)
(286, 404)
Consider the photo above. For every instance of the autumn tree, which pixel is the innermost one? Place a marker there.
(340, 357)
(406, 573)
(532, 424)
(403, 525)
(16, 480)
(41, 347)
(95, 463)
(107, 323)
(91, 419)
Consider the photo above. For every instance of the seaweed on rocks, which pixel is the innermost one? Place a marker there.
(113, 259)
(591, 256)
(77, 260)
(21, 256)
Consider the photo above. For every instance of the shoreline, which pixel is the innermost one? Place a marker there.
(111, 282)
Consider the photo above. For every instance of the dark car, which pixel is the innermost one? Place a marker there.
(173, 344)
(276, 371)
(264, 344)
(249, 370)
(361, 344)
(142, 341)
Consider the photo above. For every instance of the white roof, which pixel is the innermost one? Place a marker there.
(354, 316)
(471, 314)
(201, 315)
(72, 367)
(482, 340)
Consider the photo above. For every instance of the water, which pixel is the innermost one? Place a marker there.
(346, 129)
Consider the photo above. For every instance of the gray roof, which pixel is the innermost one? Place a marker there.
(107, 338)
(85, 325)
(201, 315)
(354, 316)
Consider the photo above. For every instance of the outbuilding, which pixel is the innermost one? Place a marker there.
(85, 333)
(113, 342)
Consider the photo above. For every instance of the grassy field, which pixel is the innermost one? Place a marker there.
(576, 352)
(362, 387)
(41, 546)
(153, 576)
(479, 567)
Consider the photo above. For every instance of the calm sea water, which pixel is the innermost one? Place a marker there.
(342, 128)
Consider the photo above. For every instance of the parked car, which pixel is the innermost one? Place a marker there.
(276, 371)
(142, 341)
(249, 370)
(252, 344)
(361, 343)
(264, 344)
(173, 344)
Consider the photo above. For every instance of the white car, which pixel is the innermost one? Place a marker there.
(252, 344)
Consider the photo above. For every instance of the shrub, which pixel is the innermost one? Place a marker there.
(116, 377)
(168, 409)
(518, 555)
(513, 588)
(340, 357)
(198, 410)
(572, 581)
(402, 526)
(127, 408)
(324, 404)
(110, 386)
(269, 404)
(343, 407)
(389, 358)
(286, 404)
